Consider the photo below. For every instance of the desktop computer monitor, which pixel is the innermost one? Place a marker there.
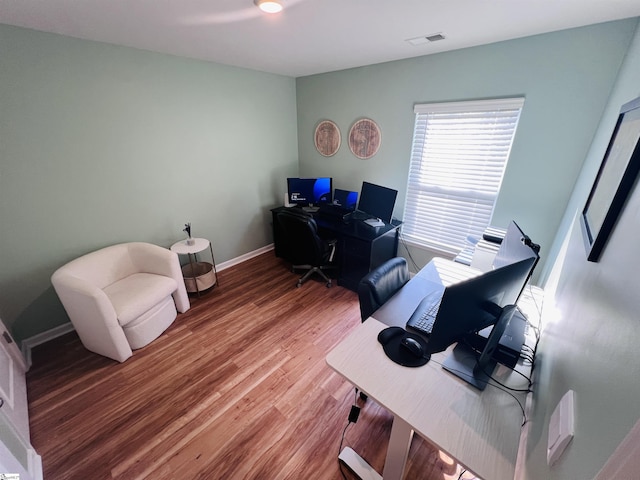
(309, 191)
(484, 301)
(472, 305)
(377, 201)
(345, 198)
(516, 246)
(476, 303)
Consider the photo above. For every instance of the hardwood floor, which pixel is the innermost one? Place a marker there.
(236, 388)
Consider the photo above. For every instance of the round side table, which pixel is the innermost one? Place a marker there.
(197, 275)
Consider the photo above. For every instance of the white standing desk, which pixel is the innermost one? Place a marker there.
(481, 430)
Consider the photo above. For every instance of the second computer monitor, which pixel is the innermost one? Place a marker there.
(377, 201)
(345, 198)
(516, 246)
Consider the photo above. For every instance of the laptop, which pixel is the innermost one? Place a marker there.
(345, 198)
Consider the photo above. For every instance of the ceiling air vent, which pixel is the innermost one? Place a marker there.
(434, 37)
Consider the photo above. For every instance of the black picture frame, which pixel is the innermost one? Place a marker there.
(615, 181)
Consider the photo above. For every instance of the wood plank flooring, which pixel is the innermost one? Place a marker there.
(236, 388)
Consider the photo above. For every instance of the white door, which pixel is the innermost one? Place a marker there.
(16, 453)
(13, 384)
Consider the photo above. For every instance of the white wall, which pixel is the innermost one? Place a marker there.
(592, 322)
(101, 144)
(565, 77)
(574, 82)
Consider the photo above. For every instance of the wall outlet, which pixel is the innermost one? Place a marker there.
(561, 427)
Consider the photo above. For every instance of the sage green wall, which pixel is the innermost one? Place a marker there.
(574, 82)
(101, 144)
(590, 340)
(565, 76)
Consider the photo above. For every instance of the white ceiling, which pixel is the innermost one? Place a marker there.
(309, 36)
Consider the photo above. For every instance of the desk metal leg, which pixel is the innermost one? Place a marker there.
(398, 451)
(358, 465)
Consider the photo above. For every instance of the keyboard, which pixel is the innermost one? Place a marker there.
(310, 209)
(359, 215)
(424, 316)
(331, 210)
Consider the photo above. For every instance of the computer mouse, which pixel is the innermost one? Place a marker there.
(412, 346)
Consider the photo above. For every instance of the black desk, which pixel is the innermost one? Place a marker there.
(360, 247)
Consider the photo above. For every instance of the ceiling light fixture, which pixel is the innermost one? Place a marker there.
(269, 6)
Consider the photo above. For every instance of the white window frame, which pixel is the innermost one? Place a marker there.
(458, 159)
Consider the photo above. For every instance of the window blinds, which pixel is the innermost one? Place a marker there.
(459, 154)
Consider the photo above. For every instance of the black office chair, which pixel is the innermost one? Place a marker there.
(305, 249)
(381, 284)
(378, 286)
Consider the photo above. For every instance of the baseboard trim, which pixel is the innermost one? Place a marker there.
(244, 258)
(29, 343)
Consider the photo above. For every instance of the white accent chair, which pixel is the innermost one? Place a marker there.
(122, 297)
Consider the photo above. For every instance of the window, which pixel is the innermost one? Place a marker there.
(460, 151)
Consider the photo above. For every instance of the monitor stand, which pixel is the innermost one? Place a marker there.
(311, 208)
(464, 361)
(510, 345)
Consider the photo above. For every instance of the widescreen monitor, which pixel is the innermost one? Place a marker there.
(472, 305)
(516, 246)
(377, 201)
(309, 191)
(476, 303)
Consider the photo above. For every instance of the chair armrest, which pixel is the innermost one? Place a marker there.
(92, 316)
(150, 258)
(332, 245)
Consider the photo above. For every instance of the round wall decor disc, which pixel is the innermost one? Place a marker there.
(364, 138)
(327, 138)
